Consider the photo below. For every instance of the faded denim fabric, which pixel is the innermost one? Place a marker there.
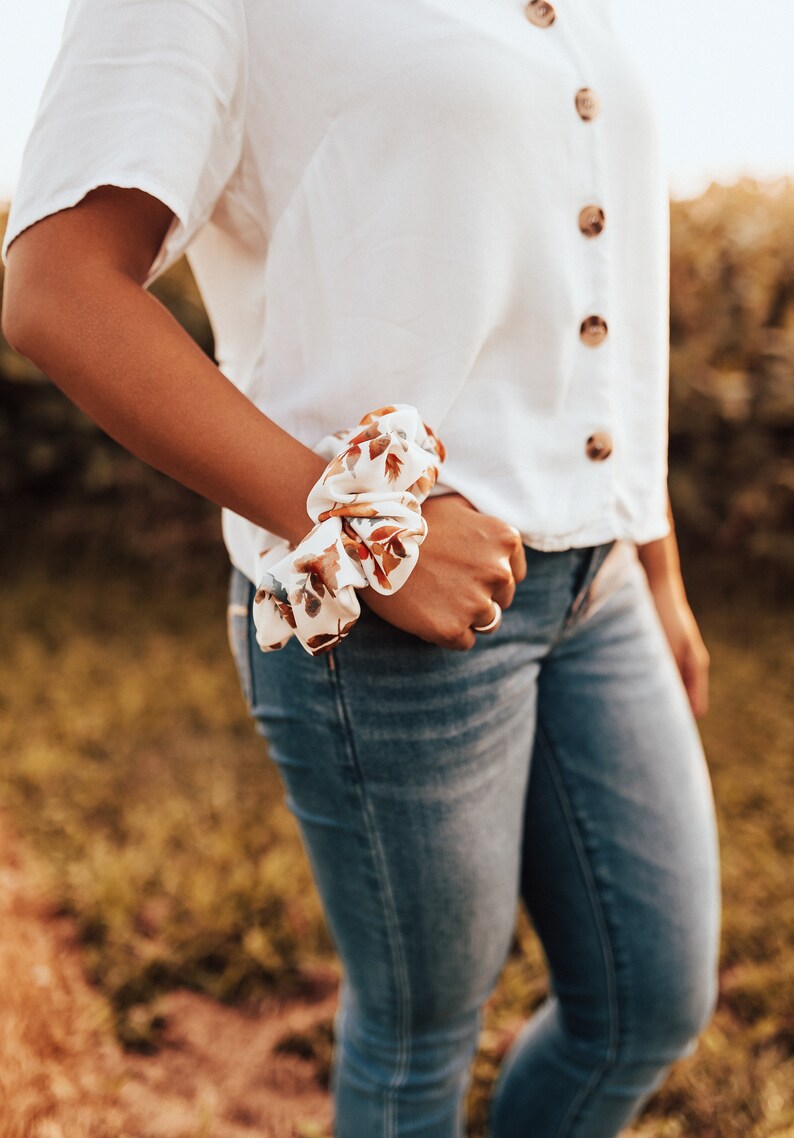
(557, 763)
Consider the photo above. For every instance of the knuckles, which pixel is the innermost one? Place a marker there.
(457, 636)
(502, 577)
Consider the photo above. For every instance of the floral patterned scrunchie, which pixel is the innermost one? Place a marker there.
(369, 528)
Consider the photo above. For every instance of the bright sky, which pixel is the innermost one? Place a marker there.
(720, 72)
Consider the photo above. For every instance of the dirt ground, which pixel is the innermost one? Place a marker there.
(62, 1075)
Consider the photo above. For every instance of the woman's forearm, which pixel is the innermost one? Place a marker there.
(119, 355)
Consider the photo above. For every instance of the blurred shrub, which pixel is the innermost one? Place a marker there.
(68, 489)
(731, 403)
(47, 445)
(732, 372)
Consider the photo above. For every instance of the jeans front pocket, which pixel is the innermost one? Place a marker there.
(238, 630)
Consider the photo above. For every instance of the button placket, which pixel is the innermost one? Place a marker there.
(591, 220)
(593, 330)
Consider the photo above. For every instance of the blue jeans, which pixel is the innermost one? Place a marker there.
(557, 763)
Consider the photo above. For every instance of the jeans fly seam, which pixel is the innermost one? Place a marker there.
(250, 641)
(583, 598)
(609, 962)
(390, 912)
(240, 645)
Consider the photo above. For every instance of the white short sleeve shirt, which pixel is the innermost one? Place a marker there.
(457, 204)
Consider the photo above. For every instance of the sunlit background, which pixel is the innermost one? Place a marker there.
(129, 766)
(720, 71)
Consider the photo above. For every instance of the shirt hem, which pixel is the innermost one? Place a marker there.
(639, 535)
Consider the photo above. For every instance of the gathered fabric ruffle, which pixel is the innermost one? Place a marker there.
(369, 526)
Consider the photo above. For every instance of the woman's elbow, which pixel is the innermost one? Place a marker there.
(43, 280)
(23, 301)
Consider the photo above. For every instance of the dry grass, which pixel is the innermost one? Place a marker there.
(50, 1019)
(131, 768)
(218, 1073)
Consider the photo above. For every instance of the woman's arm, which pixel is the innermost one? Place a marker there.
(74, 304)
(662, 564)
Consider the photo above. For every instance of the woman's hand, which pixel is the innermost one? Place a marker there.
(683, 634)
(467, 561)
(662, 564)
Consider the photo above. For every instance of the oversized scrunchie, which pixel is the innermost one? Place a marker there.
(369, 528)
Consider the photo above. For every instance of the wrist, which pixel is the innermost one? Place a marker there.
(362, 531)
(668, 587)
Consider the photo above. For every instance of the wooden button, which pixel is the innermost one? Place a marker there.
(599, 446)
(540, 13)
(586, 103)
(593, 330)
(591, 220)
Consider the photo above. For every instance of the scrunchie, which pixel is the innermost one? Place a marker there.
(369, 528)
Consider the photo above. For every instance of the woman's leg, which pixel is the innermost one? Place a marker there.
(406, 767)
(620, 873)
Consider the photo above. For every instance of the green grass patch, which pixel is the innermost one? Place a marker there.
(131, 766)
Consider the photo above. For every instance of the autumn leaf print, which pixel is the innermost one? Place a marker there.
(285, 608)
(372, 415)
(393, 465)
(424, 483)
(321, 569)
(386, 544)
(383, 533)
(323, 642)
(380, 576)
(438, 446)
(354, 547)
(337, 466)
(349, 510)
(366, 435)
(304, 596)
(270, 587)
(393, 555)
(352, 455)
(378, 446)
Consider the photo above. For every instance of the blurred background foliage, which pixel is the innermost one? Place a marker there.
(731, 408)
(132, 768)
(732, 375)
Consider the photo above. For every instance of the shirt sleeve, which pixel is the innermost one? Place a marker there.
(143, 93)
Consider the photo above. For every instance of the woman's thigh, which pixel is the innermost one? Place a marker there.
(620, 861)
(405, 766)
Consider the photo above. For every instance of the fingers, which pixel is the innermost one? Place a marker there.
(501, 582)
(503, 585)
(472, 563)
(518, 558)
(513, 566)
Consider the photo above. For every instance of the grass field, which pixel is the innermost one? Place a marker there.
(130, 765)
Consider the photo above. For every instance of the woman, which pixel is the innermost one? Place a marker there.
(457, 205)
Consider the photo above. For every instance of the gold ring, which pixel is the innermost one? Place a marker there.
(497, 617)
